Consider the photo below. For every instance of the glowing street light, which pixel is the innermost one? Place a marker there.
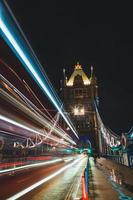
(79, 111)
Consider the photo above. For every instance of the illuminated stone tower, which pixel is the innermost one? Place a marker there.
(80, 95)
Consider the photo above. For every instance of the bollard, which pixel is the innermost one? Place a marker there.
(84, 193)
(85, 183)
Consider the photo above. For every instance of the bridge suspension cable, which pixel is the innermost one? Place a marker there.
(111, 139)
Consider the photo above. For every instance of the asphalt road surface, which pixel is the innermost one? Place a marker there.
(55, 182)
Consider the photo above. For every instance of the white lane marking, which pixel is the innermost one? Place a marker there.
(37, 184)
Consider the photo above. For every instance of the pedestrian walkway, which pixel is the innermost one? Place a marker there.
(125, 172)
(99, 187)
(103, 186)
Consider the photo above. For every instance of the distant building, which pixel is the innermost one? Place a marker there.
(79, 95)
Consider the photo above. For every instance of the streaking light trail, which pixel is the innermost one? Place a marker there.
(32, 112)
(32, 130)
(37, 184)
(7, 33)
(30, 166)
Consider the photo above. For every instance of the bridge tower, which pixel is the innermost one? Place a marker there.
(79, 96)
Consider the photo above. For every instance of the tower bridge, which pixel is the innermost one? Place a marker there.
(80, 96)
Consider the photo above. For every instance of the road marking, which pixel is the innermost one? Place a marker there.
(37, 184)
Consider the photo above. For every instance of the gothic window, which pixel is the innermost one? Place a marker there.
(78, 81)
(78, 93)
(85, 92)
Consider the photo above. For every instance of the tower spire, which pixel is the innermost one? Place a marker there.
(64, 73)
(91, 71)
(93, 77)
(65, 78)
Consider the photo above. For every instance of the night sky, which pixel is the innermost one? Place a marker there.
(97, 33)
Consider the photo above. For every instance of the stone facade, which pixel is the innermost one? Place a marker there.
(79, 96)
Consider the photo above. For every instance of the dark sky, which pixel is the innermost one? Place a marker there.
(92, 32)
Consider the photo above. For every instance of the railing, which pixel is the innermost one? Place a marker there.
(125, 159)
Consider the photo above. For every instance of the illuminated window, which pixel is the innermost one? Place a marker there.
(76, 111)
(82, 111)
(79, 111)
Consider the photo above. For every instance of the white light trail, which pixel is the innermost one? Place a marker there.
(37, 184)
(34, 113)
(19, 125)
(30, 67)
(68, 159)
(30, 129)
(30, 166)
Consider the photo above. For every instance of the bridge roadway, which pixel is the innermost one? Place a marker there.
(107, 180)
(62, 187)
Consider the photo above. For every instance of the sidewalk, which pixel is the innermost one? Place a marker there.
(99, 187)
(102, 184)
(125, 172)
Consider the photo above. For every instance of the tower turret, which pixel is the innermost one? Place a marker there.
(79, 95)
